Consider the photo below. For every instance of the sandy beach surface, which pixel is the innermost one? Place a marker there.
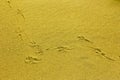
(59, 39)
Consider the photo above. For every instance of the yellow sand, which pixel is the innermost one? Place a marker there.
(59, 39)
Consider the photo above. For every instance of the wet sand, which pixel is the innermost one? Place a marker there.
(59, 39)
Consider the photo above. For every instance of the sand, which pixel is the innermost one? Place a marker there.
(59, 39)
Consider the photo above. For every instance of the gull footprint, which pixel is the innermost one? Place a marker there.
(32, 60)
(9, 3)
(84, 39)
(37, 48)
(100, 52)
(62, 49)
(19, 11)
